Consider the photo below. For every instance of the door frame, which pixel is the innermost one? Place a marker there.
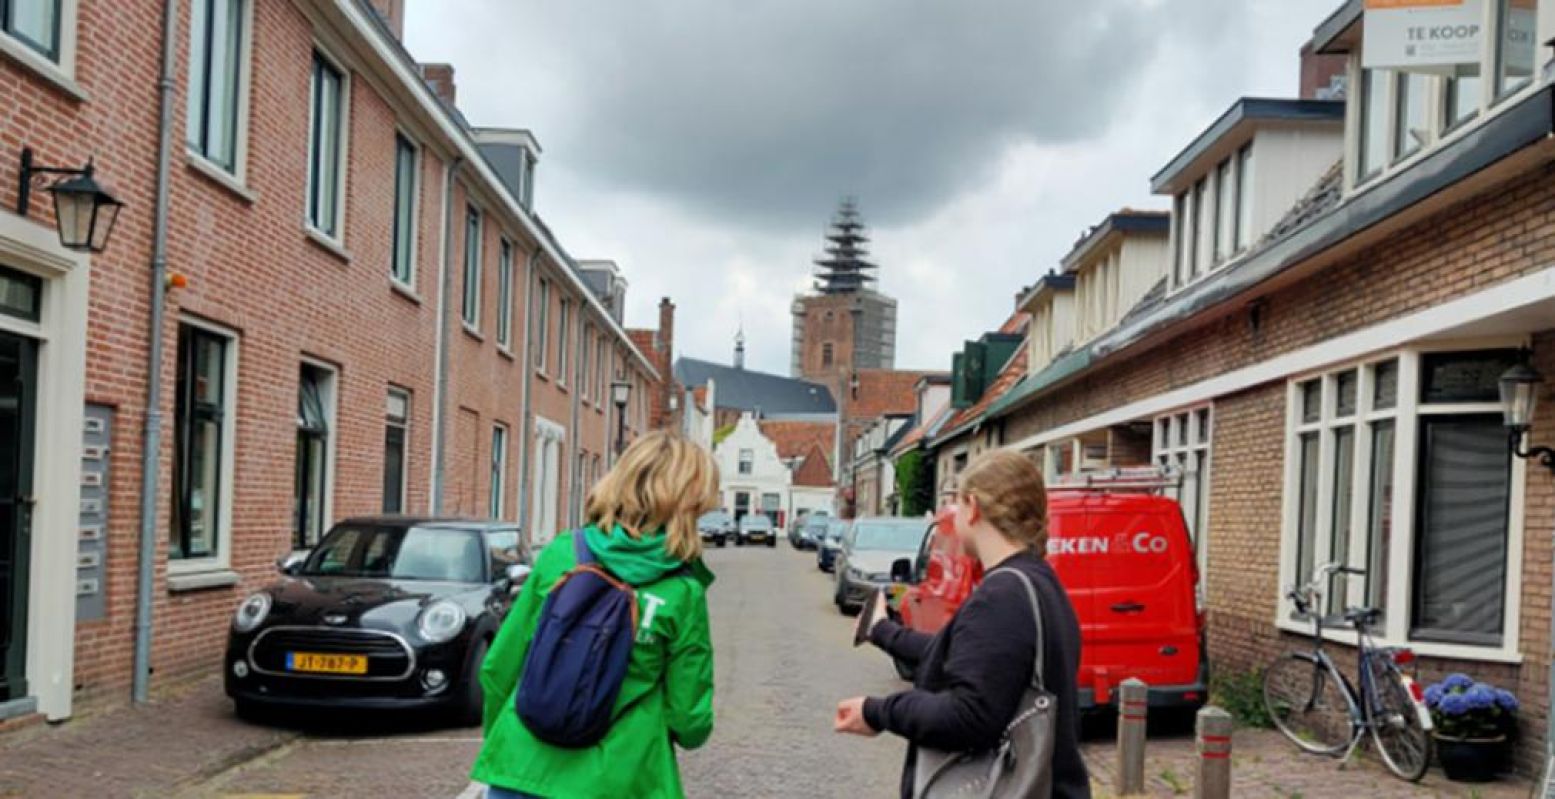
(61, 333)
(15, 659)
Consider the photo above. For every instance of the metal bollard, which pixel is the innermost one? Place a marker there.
(1214, 739)
(1133, 708)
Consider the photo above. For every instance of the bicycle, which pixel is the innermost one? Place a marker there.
(1321, 711)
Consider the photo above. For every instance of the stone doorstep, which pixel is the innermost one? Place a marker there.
(18, 708)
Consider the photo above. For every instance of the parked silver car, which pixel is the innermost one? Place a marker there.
(756, 528)
(716, 527)
(867, 552)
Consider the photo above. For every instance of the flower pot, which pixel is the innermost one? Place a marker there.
(1471, 759)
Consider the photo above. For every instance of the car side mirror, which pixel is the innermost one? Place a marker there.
(513, 578)
(901, 570)
(291, 563)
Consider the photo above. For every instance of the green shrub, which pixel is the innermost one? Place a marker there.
(1241, 695)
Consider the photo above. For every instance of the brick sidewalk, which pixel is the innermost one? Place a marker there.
(185, 735)
(1266, 766)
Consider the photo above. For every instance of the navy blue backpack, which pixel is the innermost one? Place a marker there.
(579, 655)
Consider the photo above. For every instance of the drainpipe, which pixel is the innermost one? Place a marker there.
(526, 367)
(576, 469)
(444, 288)
(151, 447)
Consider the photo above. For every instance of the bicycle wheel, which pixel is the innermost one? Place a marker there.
(1397, 728)
(1309, 703)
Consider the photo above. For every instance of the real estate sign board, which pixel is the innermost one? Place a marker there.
(1436, 36)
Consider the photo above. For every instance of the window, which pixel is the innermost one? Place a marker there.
(1354, 489)
(541, 314)
(326, 143)
(406, 186)
(1374, 122)
(470, 303)
(315, 413)
(1226, 199)
(1244, 200)
(563, 322)
(1201, 228)
(1182, 216)
(1182, 445)
(826, 354)
(215, 77)
(585, 375)
(34, 23)
(599, 371)
(395, 432)
(499, 470)
(505, 296)
(747, 460)
(1464, 93)
(1517, 24)
(1411, 129)
(203, 404)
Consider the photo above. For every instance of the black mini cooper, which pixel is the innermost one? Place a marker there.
(384, 613)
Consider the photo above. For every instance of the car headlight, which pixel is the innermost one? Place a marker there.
(251, 613)
(856, 574)
(440, 621)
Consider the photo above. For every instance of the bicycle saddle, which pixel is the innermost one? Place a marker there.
(1362, 616)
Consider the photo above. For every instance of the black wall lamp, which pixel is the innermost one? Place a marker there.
(84, 211)
(1519, 397)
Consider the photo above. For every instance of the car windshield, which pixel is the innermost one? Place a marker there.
(715, 517)
(835, 530)
(757, 522)
(401, 553)
(892, 536)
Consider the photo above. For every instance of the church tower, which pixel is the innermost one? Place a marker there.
(843, 325)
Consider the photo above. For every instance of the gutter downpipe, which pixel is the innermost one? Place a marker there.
(151, 447)
(526, 433)
(444, 288)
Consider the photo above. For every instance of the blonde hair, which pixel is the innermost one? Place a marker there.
(662, 482)
(1012, 495)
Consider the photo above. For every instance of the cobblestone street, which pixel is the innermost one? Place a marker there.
(783, 660)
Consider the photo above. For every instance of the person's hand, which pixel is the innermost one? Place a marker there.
(850, 718)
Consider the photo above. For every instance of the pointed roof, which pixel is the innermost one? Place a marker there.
(747, 390)
(845, 268)
(815, 472)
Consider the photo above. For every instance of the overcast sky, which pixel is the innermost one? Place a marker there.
(703, 144)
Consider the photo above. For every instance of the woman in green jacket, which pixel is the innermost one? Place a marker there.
(642, 528)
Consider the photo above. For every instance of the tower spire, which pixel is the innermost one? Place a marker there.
(739, 347)
(845, 267)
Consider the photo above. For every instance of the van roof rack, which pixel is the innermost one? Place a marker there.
(1131, 480)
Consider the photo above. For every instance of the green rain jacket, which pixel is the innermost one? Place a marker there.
(666, 697)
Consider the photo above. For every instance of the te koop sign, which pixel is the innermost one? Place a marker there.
(1423, 35)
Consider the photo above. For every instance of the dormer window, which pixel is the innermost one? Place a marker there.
(1214, 218)
(1517, 22)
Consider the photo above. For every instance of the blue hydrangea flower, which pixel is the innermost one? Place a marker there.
(1480, 697)
(1506, 700)
(1433, 695)
(1458, 682)
(1454, 705)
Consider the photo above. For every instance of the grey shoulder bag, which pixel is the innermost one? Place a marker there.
(1021, 767)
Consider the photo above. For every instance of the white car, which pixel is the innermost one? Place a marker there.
(756, 528)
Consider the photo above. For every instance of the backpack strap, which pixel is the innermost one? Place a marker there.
(580, 548)
(1037, 680)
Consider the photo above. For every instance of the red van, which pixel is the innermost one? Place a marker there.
(1128, 565)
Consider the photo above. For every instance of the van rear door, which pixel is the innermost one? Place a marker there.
(1144, 620)
(1071, 555)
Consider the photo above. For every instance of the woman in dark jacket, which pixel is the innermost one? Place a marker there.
(972, 676)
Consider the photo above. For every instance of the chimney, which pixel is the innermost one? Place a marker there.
(1323, 77)
(392, 12)
(440, 77)
(667, 329)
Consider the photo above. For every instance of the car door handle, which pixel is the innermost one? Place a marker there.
(1127, 607)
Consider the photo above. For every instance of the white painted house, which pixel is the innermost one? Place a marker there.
(754, 478)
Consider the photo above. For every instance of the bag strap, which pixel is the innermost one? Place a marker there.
(1037, 679)
(580, 548)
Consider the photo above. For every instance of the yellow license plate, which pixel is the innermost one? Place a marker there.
(319, 663)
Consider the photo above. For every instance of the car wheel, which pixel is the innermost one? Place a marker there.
(251, 712)
(771, 543)
(472, 704)
(904, 670)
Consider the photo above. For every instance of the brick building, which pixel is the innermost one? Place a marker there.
(1318, 360)
(367, 316)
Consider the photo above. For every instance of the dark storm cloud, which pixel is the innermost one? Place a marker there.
(766, 110)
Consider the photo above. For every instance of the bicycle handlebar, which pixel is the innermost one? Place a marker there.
(1306, 595)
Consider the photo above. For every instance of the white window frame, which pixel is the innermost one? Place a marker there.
(1400, 554)
(409, 283)
(222, 560)
(343, 155)
(240, 122)
(545, 485)
(59, 70)
(1176, 438)
(472, 259)
(563, 325)
(541, 308)
(496, 502)
(585, 364)
(330, 390)
(403, 424)
(505, 295)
